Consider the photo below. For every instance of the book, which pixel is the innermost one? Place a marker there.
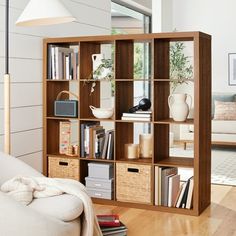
(190, 194)
(93, 130)
(104, 151)
(181, 195)
(110, 145)
(178, 194)
(185, 195)
(84, 138)
(156, 182)
(114, 230)
(136, 118)
(174, 183)
(108, 220)
(141, 115)
(165, 174)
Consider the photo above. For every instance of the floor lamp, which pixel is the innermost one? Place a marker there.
(37, 12)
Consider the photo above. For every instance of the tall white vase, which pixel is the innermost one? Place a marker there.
(179, 107)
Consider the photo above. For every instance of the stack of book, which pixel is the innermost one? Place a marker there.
(96, 142)
(169, 192)
(62, 63)
(111, 225)
(138, 115)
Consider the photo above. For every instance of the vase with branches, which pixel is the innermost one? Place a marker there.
(181, 69)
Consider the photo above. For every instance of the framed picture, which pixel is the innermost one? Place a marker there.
(232, 68)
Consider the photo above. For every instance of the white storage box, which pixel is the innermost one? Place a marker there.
(101, 171)
(100, 193)
(99, 183)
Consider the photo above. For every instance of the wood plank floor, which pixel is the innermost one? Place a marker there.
(218, 220)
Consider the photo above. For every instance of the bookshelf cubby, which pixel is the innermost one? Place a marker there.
(159, 81)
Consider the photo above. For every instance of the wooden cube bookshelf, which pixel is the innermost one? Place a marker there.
(124, 90)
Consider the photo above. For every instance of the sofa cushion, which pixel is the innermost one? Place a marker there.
(11, 167)
(225, 110)
(223, 97)
(63, 207)
(224, 126)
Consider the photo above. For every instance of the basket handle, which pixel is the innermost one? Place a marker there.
(135, 170)
(66, 92)
(63, 163)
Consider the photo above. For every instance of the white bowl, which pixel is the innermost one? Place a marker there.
(102, 113)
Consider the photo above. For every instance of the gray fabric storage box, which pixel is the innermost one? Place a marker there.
(101, 171)
(99, 183)
(100, 193)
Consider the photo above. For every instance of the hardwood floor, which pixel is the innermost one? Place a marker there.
(219, 219)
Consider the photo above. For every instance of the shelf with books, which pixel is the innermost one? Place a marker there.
(170, 191)
(62, 62)
(126, 88)
(96, 140)
(187, 162)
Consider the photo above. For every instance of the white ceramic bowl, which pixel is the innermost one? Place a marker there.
(102, 113)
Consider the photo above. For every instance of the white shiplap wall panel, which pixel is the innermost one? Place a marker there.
(24, 143)
(23, 118)
(23, 70)
(93, 18)
(22, 46)
(24, 94)
(34, 159)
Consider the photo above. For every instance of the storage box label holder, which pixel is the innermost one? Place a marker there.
(66, 108)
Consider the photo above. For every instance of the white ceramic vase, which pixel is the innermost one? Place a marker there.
(179, 107)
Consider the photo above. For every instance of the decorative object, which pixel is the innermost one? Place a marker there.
(102, 70)
(36, 13)
(65, 138)
(146, 146)
(102, 113)
(178, 106)
(131, 151)
(66, 108)
(181, 70)
(232, 68)
(144, 104)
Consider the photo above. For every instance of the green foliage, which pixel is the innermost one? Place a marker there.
(181, 69)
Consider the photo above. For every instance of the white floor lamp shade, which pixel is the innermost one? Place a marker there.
(44, 12)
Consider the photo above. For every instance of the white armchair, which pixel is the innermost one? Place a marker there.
(53, 216)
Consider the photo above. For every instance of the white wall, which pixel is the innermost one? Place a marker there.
(218, 19)
(26, 69)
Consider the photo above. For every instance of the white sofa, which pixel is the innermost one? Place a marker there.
(43, 217)
(223, 131)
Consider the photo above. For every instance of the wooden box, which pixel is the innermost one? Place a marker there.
(133, 183)
(63, 167)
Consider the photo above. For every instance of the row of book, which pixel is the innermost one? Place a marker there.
(96, 142)
(62, 63)
(111, 225)
(169, 191)
(138, 116)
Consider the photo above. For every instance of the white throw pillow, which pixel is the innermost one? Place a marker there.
(225, 110)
